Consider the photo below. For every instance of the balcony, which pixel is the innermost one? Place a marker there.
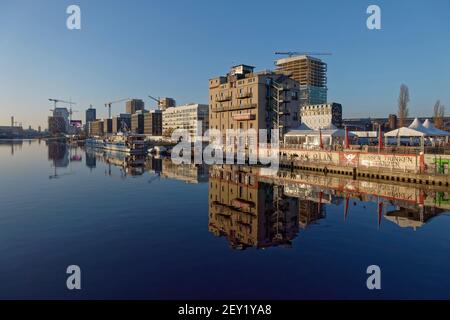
(223, 98)
(244, 117)
(244, 95)
(234, 108)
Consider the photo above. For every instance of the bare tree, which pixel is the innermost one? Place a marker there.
(403, 100)
(438, 117)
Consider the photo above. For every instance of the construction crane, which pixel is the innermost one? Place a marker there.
(296, 53)
(108, 105)
(156, 99)
(70, 103)
(56, 101)
(71, 112)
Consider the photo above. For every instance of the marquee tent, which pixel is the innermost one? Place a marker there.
(435, 131)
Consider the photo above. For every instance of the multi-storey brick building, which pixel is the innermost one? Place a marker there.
(244, 99)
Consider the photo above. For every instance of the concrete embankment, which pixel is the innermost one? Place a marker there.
(421, 169)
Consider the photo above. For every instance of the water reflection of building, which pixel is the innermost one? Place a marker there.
(91, 160)
(248, 212)
(412, 217)
(190, 173)
(58, 153)
(153, 164)
(13, 144)
(310, 212)
(254, 210)
(130, 165)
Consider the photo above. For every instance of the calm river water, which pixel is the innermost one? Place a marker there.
(147, 229)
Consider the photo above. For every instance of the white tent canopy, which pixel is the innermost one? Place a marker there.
(417, 125)
(435, 131)
(405, 132)
(417, 129)
(330, 136)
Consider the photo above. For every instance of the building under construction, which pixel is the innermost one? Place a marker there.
(310, 73)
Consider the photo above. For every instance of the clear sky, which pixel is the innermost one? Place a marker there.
(171, 48)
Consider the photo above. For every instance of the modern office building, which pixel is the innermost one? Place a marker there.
(244, 99)
(97, 128)
(320, 116)
(137, 121)
(310, 73)
(134, 105)
(186, 117)
(91, 114)
(165, 103)
(153, 123)
(121, 123)
(107, 126)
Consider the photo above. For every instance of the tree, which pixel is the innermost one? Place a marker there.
(403, 100)
(438, 115)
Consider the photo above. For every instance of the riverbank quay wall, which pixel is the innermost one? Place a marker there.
(424, 169)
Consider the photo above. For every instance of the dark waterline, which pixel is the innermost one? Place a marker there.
(147, 229)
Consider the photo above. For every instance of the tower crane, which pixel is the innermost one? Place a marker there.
(70, 103)
(156, 99)
(297, 53)
(109, 104)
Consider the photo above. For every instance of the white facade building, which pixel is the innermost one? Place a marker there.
(321, 116)
(186, 117)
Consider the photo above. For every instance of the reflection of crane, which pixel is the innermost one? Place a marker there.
(108, 105)
(295, 53)
(55, 175)
(109, 171)
(157, 176)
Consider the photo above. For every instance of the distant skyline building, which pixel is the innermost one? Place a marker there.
(137, 121)
(310, 73)
(57, 125)
(392, 120)
(96, 128)
(91, 114)
(121, 123)
(165, 103)
(65, 115)
(107, 126)
(153, 123)
(134, 105)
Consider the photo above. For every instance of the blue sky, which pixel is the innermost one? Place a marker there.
(171, 48)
